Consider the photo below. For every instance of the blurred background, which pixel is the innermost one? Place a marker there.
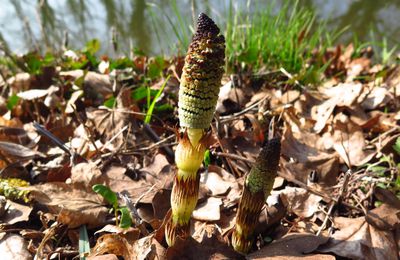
(163, 26)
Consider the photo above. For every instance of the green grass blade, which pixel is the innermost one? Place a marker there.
(153, 103)
(84, 246)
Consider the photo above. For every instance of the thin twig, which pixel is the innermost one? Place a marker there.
(155, 138)
(227, 118)
(113, 138)
(290, 76)
(339, 198)
(234, 156)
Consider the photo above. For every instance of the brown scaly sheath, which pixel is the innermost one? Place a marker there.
(257, 187)
(198, 95)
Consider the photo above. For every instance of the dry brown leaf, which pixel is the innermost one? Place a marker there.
(208, 210)
(74, 206)
(70, 108)
(32, 94)
(131, 234)
(158, 163)
(349, 142)
(116, 179)
(230, 99)
(386, 216)
(113, 244)
(14, 246)
(93, 82)
(16, 213)
(293, 246)
(356, 67)
(356, 239)
(345, 94)
(161, 203)
(103, 257)
(149, 248)
(300, 201)
(209, 248)
(215, 183)
(18, 152)
(86, 174)
(378, 97)
(21, 81)
(235, 190)
(300, 159)
(109, 122)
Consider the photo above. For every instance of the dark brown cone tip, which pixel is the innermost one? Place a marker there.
(205, 25)
(270, 154)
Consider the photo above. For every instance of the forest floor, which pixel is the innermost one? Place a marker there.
(114, 122)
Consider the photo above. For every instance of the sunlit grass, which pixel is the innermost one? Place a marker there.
(264, 39)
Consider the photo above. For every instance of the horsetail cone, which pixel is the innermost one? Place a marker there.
(198, 95)
(201, 75)
(257, 187)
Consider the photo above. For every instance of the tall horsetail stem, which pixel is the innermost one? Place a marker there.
(257, 187)
(198, 95)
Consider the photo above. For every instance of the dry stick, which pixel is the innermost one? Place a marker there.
(228, 163)
(391, 130)
(224, 119)
(234, 156)
(290, 76)
(339, 198)
(113, 138)
(155, 138)
(137, 220)
(158, 144)
(74, 157)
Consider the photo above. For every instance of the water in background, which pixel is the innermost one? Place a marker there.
(153, 26)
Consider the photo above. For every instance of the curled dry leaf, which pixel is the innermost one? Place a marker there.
(379, 96)
(234, 191)
(14, 247)
(209, 248)
(21, 81)
(74, 206)
(301, 158)
(349, 142)
(293, 246)
(300, 201)
(130, 234)
(215, 183)
(113, 244)
(16, 213)
(208, 210)
(341, 95)
(148, 248)
(357, 239)
(18, 152)
(93, 82)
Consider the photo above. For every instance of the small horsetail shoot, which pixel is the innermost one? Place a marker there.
(257, 187)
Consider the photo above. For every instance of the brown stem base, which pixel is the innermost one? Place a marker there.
(250, 206)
